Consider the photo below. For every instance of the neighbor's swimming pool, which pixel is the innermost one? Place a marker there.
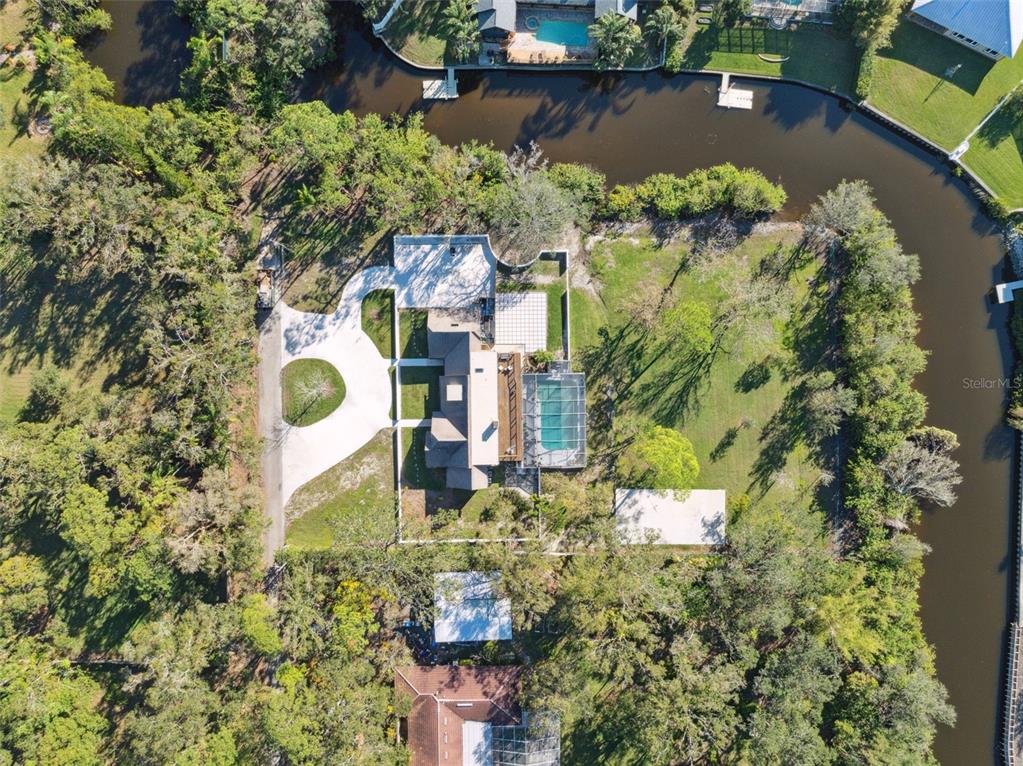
(568, 33)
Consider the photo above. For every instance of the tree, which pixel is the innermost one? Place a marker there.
(617, 37)
(659, 458)
(728, 13)
(662, 26)
(685, 330)
(870, 23)
(47, 391)
(923, 472)
(530, 213)
(462, 28)
(828, 404)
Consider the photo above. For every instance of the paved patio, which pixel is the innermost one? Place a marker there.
(428, 272)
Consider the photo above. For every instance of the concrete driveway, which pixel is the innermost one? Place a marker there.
(429, 272)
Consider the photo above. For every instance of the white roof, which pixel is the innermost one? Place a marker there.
(477, 744)
(439, 271)
(467, 608)
(670, 518)
(520, 319)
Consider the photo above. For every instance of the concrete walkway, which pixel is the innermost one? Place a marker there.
(270, 421)
(429, 272)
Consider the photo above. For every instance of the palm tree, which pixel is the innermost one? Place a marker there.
(617, 39)
(462, 28)
(663, 25)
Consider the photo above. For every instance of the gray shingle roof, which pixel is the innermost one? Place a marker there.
(995, 24)
(496, 14)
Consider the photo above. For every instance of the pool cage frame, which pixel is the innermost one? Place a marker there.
(534, 742)
(571, 392)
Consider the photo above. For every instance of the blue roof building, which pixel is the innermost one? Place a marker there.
(993, 28)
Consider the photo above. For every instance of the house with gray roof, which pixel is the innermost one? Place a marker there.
(993, 28)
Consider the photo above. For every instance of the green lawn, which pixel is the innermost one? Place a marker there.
(412, 332)
(420, 391)
(378, 320)
(909, 84)
(814, 54)
(357, 494)
(740, 422)
(414, 473)
(14, 139)
(416, 32)
(311, 390)
(996, 155)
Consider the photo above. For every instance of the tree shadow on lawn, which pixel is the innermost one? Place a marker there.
(1001, 127)
(87, 323)
(930, 52)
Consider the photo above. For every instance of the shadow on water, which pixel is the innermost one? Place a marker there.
(144, 52)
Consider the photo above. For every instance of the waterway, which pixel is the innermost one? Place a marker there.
(633, 125)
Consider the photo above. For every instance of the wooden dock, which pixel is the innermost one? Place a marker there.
(731, 97)
(441, 90)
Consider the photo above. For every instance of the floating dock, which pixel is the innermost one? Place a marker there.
(733, 98)
(441, 90)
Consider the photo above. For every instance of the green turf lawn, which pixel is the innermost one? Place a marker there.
(414, 473)
(412, 332)
(303, 407)
(909, 84)
(725, 420)
(420, 391)
(356, 492)
(996, 155)
(814, 53)
(416, 32)
(378, 320)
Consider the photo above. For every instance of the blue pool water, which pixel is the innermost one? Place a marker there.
(569, 33)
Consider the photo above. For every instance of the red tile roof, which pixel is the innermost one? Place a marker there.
(443, 697)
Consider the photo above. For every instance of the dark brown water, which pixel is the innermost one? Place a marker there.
(632, 126)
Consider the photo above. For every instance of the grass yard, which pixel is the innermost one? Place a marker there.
(813, 53)
(355, 497)
(996, 155)
(412, 332)
(555, 316)
(311, 389)
(420, 391)
(910, 84)
(739, 411)
(14, 139)
(378, 320)
(416, 32)
(414, 473)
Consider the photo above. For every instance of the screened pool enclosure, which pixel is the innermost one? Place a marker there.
(554, 419)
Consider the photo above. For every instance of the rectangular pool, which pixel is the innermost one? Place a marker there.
(568, 33)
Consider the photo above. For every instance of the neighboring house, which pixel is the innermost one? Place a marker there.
(467, 608)
(471, 716)
(696, 517)
(993, 28)
(497, 18)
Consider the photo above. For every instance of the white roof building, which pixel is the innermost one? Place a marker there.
(670, 518)
(466, 608)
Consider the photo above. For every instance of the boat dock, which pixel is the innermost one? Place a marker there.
(731, 97)
(441, 90)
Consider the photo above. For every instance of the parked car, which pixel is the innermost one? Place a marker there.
(266, 289)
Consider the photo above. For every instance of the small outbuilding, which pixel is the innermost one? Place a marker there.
(696, 517)
(467, 608)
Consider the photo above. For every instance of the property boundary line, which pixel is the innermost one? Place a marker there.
(1013, 702)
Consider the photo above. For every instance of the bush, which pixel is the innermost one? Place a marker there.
(683, 8)
(583, 183)
(865, 78)
(675, 58)
(746, 192)
(623, 204)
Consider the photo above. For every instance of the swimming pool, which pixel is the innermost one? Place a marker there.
(568, 33)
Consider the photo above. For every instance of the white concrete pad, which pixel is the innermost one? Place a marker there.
(442, 271)
(693, 518)
(1006, 290)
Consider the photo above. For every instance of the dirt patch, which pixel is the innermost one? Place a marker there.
(346, 476)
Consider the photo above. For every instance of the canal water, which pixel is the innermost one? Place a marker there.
(633, 125)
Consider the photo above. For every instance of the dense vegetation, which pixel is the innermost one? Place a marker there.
(135, 627)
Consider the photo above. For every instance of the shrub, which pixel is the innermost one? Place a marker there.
(583, 183)
(623, 204)
(865, 77)
(257, 625)
(675, 58)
